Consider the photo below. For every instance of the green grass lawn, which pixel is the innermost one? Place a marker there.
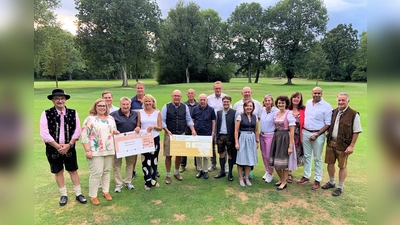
(199, 201)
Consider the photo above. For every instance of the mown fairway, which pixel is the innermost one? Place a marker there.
(199, 201)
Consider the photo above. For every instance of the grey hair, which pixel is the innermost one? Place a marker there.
(125, 99)
(343, 93)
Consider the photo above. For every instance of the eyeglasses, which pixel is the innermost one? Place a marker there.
(102, 106)
(59, 99)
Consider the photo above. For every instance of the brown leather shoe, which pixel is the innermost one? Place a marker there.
(168, 180)
(178, 176)
(95, 201)
(107, 196)
(316, 185)
(303, 180)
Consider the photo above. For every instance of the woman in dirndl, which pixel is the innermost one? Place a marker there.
(246, 139)
(283, 157)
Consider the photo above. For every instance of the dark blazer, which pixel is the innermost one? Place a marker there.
(230, 123)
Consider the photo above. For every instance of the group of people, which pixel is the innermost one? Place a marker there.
(288, 133)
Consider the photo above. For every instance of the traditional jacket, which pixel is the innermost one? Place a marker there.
(345, 130)
(53, 123)
(176, 118)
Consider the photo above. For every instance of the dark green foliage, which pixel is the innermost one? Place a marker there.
(296, 25)
(340, 45)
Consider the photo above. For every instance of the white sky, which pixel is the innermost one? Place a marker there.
(339, 11)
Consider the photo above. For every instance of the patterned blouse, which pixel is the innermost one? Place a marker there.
(98, 134)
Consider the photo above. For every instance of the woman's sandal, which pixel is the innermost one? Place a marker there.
(146, 188)
(278, 184)
(290, 178)
(241, 182)
(247, 181)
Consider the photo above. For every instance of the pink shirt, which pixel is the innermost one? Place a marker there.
(44, 129)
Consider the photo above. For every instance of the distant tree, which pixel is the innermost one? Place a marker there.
(360, 60)
(113, 32)
(74, 59)
(296, 24)
(43, 17)
(55, 59)
(211, 31)
(316, 64)
(249, 31)
(43, 13)
(340, 44)
(180, 46)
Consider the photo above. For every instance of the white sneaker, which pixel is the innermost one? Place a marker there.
(117, 189)
(129, 186)
(268, 178)
(265, 176)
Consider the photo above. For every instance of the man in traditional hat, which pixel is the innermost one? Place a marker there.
(60, 129)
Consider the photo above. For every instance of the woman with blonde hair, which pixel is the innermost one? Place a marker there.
(98, 141)
(149, 120)
(267, 129)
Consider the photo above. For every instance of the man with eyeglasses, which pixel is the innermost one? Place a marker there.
(175, 118)
(317, 120)
(215, 101)
(60, 129)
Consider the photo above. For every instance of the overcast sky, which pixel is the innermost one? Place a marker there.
(339, 11)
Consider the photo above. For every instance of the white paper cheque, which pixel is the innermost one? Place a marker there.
(188, 145)
(131, 143)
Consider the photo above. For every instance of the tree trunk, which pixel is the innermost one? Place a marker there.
(56, 81)
(137, 73)
(70, 75)
(187, 74)
(249, 73)
(257, 75)
(289, 75)
(124, 77)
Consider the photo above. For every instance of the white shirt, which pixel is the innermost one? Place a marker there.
(356, 124)
(267, 120)
(290, 117)
(318, 115)
(147, 120)
(215, 102)
(257, 109)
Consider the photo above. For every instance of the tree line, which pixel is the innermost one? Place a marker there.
(128, 39)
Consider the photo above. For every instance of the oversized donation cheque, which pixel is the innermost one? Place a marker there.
(188, 145)
(132, 143)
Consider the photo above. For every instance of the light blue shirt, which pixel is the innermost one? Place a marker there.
(189, 121)
(223, 123)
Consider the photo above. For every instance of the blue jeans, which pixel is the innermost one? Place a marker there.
(311, 148)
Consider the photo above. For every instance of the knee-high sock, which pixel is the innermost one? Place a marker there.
(230, 163)
(222, 162)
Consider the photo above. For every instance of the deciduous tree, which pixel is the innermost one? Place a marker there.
(249, 31)
(113, 32)
(296, 24)
(360, 60)
(340, 44)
